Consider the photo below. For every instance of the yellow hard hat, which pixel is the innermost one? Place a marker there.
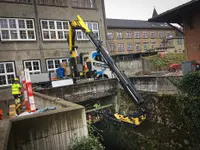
(16, 79)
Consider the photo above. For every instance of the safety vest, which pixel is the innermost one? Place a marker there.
(16, 89)
(1, 114)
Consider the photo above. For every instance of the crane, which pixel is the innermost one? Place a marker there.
(127, 85)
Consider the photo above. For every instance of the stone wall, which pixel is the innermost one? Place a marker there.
(84, 91)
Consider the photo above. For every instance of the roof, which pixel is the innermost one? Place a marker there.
(175, 15)
(135, 24)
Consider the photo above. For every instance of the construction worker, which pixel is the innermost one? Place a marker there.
(16, 90)
(97, 105)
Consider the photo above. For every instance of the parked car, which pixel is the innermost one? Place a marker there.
(174, 67)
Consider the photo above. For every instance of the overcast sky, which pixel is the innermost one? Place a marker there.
(138, 9)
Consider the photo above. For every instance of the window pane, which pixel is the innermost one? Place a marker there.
(2, 80)
(3, 23)
(44, 25)
(89, 26)
(2, 70)
(65, 25)
(21, 23)
(79, 35)
(57, 63)
(46, 34)
(5, 34)
(12, 23)
(28, 66)
(36, 65)
(50, 64)
(23, 34)
(13, 34)
(53, 34)
(9, 67)
(95, 26)
(65, 34)
(60, 34)
(59, 25)
(31, 35)
(10, 78)
(29, 24)
(51, 25)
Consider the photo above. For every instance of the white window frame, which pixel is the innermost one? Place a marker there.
(128, 35)
(119, 35)
(180, 41)
(137, 35)
(120, 47)
(7, 73)
(129, 47)
(146, 45)
(56, 30)
(33, 71)
(160, 35)
(17, 29)
(111, 47)
(145, 35)
(153, 33)
(110, 35)
(137, 45)
(153, 45)
(83, 36)
(54, 66)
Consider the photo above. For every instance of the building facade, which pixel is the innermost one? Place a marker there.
(134, 36)
(187, 16)
(34, 33)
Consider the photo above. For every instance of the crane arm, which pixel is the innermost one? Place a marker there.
(121, 77)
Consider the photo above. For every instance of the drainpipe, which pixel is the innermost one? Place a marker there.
(38, 31)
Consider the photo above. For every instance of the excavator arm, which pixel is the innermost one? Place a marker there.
(121, 77)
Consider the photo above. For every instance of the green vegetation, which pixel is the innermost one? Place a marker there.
(92, 142)
(160, 63)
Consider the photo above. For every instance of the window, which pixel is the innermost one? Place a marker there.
(160, 35)
(33, 66)
(128, 35)
(18, 1)
(137, 47)
(7, 73)
(119, 35)
(83, 3)
(111, 47)
(120, 47)
(110, 35)
(146, 46)
(137, 35)
(53, 2)
(153, 35)
(92, 26)
(54, 30)
(168, 34)
(129, 47)
(161, 44)
(12, 29)
(53, 64)
(153, 45)
(179, 41)
(145, 35)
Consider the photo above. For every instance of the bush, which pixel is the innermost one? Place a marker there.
(190, 84)
(91, 142)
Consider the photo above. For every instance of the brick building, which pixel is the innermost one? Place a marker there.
(33, 33)
(136, 36)
(187, 16)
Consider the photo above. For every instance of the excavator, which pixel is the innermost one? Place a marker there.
(127, 85)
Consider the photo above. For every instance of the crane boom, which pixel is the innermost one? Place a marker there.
(121, 77)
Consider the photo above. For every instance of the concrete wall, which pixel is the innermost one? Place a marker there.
(130, 67)
(52, 130)
(17, 51)
(154, 84)
(84, 91)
